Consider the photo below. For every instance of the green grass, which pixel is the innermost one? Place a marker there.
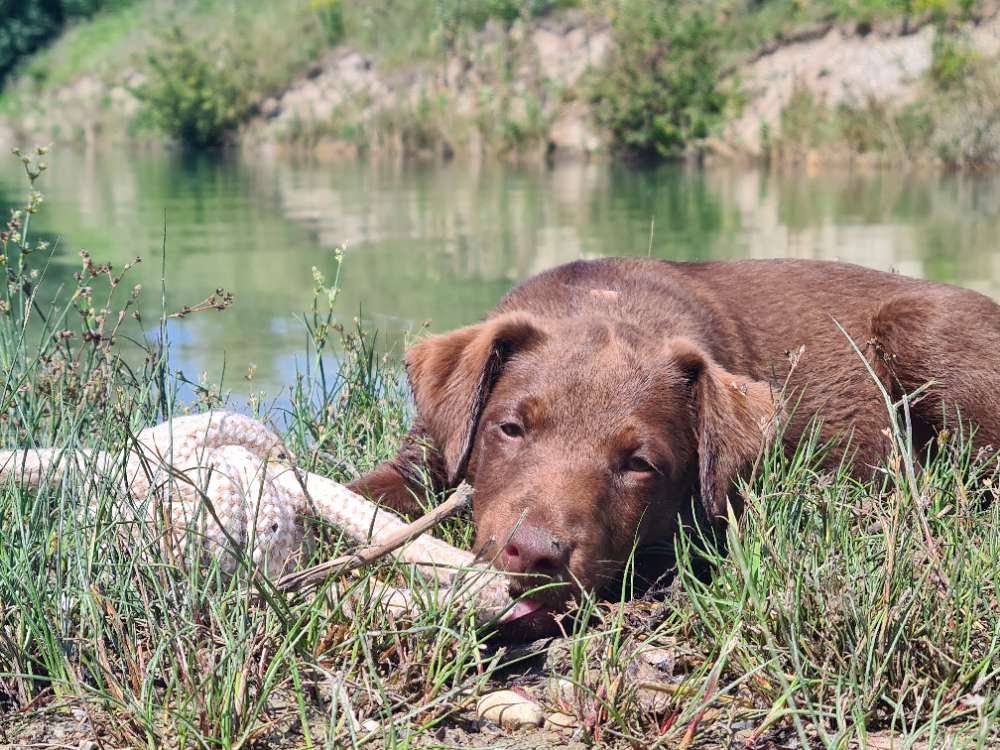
(274, 42)
(841, 610)
(94, 46)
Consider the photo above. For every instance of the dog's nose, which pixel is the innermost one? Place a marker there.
(533, 550)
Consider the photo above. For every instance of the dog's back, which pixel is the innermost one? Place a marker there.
(759, 317)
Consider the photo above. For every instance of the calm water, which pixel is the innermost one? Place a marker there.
(443, 243)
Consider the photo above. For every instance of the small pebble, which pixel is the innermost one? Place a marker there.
(660, 658)
(370, 725)
(510, 710)
(561, 721)
(561, 690)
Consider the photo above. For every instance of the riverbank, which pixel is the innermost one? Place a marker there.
(809, 83)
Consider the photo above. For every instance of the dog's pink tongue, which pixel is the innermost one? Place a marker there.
(523, 608)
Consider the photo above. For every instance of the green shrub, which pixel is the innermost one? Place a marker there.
(477, 12)
(331, 17)
(872, 10)
(454, 16)
(196, 93)
(952, 59)
(26, 26)
(662, 88)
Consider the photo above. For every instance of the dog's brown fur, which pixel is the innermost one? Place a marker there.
(597, 398)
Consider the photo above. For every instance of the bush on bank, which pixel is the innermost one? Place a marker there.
(662, 88)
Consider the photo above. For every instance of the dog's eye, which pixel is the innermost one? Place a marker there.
(639, 465)
(512, 429)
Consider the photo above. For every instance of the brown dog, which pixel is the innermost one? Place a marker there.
(599, 397)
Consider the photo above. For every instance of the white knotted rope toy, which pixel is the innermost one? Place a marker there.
(255, 500)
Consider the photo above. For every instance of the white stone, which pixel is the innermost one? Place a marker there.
(561, 721)
(510, 710)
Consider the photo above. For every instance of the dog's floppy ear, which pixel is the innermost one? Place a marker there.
(452, 375)
(735, 419)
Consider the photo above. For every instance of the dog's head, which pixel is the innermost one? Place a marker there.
(583, 438)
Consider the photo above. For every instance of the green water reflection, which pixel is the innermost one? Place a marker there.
(443, 243)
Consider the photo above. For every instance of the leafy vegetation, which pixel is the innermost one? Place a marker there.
(671, 82)
(231, 56)
(661, 90)
(331, 16)
(196, 93)
(29, 24)
(455, 15)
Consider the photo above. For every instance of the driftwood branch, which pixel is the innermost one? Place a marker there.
(456, 503)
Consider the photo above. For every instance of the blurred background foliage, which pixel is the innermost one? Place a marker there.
(203, 67)
(29, 24)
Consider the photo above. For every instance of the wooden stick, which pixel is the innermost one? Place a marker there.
(458, 501)
(686, 691)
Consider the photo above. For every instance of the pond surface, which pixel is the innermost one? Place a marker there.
(441, 244)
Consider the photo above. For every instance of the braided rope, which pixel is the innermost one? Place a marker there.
(223, 474)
